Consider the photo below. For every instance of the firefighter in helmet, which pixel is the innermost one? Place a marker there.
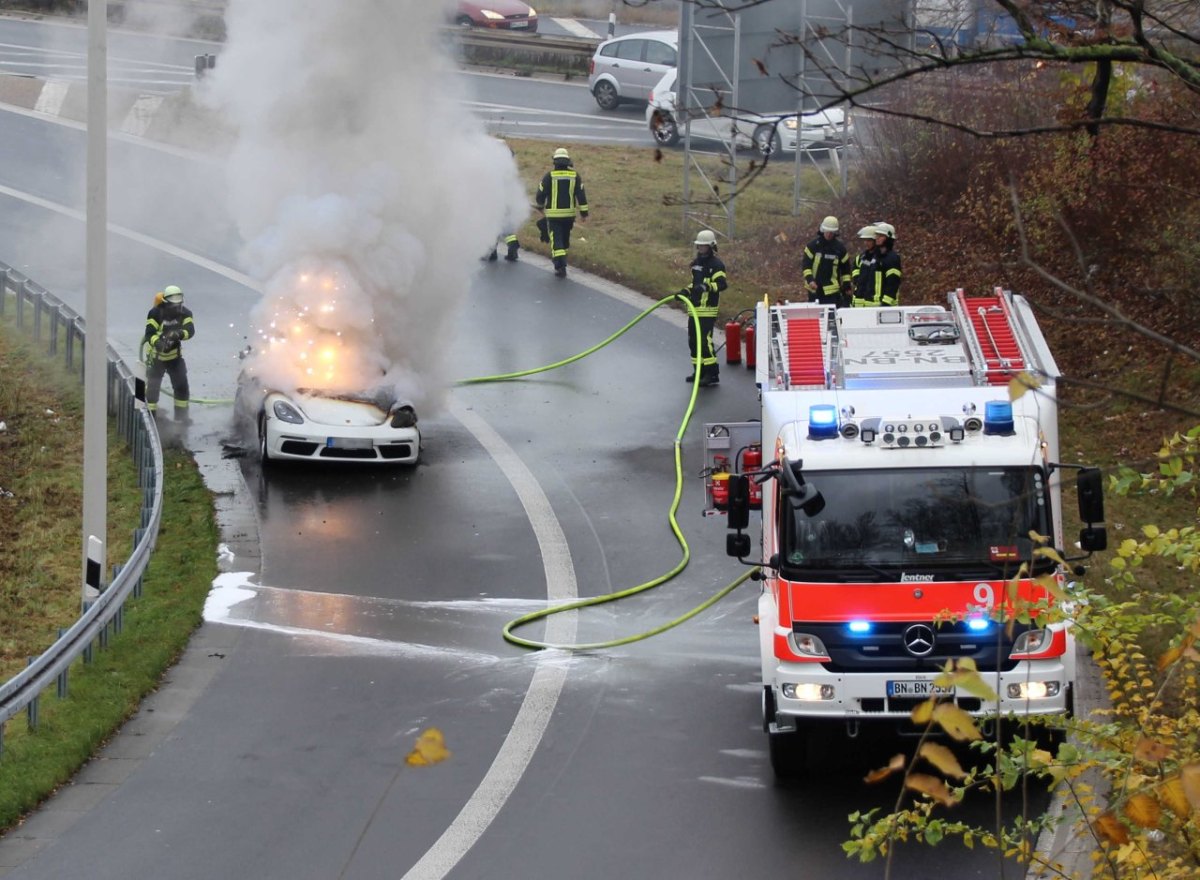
(559, 196)
(862, 276)
(168, 324)
(708, 280)
(888, 274)
(826, 265)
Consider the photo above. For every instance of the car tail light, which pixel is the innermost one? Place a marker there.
(591, 66)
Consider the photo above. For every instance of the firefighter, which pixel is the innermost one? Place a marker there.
(559, 196)
(862, 277)
(510, 241)
(708, 280)
(887, 274)
(167, 326)
(826, 265)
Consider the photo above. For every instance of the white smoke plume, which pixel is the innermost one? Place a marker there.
(363, 187)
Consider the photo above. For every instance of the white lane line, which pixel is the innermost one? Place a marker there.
(534, 715)
(556, 114)
(51, 98)
(576, 28)
(149, 241)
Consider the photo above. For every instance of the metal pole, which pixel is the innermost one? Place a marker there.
(95, 373)
(612, 20)
(802, 83)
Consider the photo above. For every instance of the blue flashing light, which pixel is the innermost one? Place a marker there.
(978, 624)
(859, 627)
(822, 421)
(998, 417)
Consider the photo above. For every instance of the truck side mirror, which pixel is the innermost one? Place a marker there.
(739, 502)
(1090, 487)
(1093, 539)
(738, 545)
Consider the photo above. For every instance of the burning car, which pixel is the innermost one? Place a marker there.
(315, 425)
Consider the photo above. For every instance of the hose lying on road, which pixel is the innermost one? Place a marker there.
(526, 619)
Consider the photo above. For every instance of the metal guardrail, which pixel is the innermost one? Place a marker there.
(48, 319)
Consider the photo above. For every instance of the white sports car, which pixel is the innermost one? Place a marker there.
(323, 426)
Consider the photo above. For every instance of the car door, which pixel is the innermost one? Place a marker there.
(657, 57)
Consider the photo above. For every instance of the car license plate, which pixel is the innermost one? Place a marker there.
(919, 689)
(518, 25)
(348, 442)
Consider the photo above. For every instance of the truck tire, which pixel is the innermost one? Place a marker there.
(789, 754)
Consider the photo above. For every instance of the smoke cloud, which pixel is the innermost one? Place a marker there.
(364, 189)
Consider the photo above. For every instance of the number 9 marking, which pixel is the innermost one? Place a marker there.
(985, 595)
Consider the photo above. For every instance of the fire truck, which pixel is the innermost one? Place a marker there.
(901, 488)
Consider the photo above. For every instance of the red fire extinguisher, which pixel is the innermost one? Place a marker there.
(752, 462)
(751, 354)
(718, 485)
(733, 342)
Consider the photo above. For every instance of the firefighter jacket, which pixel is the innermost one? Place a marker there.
(167, 326)
(561, 192)
(888, 278)
(708, 280)
(862, 277)
(826, 264)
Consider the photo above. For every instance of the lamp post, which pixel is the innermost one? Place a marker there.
(95, 362)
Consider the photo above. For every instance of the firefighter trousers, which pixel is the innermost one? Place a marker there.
(560, 238)
(177, 370)
(709, 367)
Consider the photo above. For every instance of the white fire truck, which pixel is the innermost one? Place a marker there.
(899, 490)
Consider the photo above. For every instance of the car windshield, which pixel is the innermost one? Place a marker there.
(964, 522)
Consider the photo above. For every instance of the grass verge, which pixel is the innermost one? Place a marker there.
(41, 464)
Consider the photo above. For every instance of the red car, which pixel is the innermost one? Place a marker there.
(507, 14)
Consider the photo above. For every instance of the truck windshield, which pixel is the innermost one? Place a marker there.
(964, 522)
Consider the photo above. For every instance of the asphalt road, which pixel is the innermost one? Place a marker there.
(375, 610)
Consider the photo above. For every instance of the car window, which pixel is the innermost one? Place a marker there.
(630, 50)
(660, 53)
(610, 51)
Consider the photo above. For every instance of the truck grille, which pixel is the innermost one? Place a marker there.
(882, 650)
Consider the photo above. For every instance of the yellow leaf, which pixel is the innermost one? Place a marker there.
(1038, 538)
(1050, 584)
(955, 722)
(1143, 811)
(1169, 657)
(430, 749)
(1189, 777)
(931, 786)
(1049, 553)
(1174, 798)
(1150, 751)
(942, 758)
(894, 765)
(1020, 383)
(923, 713)
(1110, 829)
(1150, 531)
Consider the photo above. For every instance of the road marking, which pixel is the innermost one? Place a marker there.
(576, 28)
(533, 717)
(50, 101)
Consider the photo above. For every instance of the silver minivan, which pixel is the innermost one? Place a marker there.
(627, 68)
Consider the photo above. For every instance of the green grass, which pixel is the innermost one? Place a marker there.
(41, 463)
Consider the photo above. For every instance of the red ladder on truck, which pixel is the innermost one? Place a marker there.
(803, 346)
(990, 331)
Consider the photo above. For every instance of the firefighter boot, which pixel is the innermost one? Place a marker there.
(493, 256)
(708, 378)
(513, 247)
(560, 267)
(690, 378)
(181, 416)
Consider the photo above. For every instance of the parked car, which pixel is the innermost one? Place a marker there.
(627, 68)
(312, 425)
(768, 133)
(503, 14)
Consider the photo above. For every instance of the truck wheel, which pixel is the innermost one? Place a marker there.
(789, 754)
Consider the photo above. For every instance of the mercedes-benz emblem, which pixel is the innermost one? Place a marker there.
(918, 639)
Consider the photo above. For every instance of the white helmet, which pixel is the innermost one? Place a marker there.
(706, 236)
(867, 232)
(561, 153)
(829, 224)
(887, 229)
(172, 294)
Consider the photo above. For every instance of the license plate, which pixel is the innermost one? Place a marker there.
(519, 25)
(348, 442)
(919, 689)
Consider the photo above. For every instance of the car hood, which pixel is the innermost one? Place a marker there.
(356, 411)
(504, 7)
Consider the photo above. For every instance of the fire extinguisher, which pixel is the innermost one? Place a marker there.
(751, 354)
(733, 342)
(718, 485)
(751, 462)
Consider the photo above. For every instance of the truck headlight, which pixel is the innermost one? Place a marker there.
(1032, 641)
(808, 645)
(808, 693)
(1033, 690)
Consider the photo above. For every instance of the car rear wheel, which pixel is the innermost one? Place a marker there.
(766, 140)
(606, 95)
(664, 129)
